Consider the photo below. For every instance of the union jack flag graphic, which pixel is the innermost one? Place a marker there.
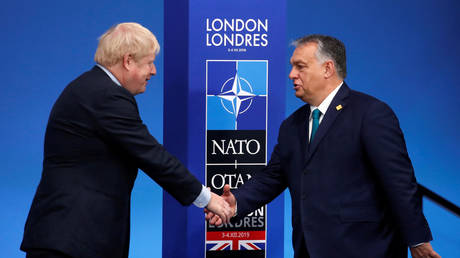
(235, 240)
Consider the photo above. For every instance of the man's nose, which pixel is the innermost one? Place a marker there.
(154, 70)
(292, 74)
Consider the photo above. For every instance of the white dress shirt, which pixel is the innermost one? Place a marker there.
(322, 108)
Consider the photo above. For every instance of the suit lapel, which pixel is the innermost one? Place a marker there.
(335, 108)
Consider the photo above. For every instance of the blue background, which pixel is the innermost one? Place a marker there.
(404, 52)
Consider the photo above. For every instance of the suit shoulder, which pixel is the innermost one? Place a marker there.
(361, 96)
(95, 84)
(358, 96)
(90, 90)
(297, 116)
(91, 78)
(367, 102)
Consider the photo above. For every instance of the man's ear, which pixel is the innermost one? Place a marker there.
(329, 69)
(127, 61)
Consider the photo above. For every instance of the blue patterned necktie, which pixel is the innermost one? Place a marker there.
(315, 115)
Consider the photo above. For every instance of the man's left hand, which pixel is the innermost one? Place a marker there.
(424, 251)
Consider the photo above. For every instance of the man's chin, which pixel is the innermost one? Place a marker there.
(301, 96)
(141, 90)
(298, 94)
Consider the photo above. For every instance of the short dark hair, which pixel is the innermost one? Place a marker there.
(328, 48)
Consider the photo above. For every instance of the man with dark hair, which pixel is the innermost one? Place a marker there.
(344, 159)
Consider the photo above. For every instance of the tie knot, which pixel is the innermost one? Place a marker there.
(316, 113)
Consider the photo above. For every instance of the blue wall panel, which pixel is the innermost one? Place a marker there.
(185, 105)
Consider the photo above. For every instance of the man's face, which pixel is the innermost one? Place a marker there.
(139, 73)
(307, 74)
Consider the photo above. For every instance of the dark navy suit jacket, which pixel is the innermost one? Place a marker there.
(353, 188)
(94, 144)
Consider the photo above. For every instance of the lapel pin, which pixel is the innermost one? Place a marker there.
(338, 107)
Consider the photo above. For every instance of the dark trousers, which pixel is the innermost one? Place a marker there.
(46, 253)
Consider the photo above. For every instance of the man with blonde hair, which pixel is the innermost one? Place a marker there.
(95, 142)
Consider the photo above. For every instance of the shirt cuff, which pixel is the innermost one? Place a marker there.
(203, 198)
(417, 244)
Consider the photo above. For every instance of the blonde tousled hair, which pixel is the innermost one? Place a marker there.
(125, 38)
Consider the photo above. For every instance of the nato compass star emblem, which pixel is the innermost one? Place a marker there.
(236, 96)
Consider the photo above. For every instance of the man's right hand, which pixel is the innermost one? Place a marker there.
(217, 205)
(213, 217)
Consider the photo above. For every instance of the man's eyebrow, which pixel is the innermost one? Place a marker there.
(297, 62)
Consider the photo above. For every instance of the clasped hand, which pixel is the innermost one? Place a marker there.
(215, 218)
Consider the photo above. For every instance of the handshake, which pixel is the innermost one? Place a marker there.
(222, 208)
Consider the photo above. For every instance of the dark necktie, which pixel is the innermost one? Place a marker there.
(315, 115)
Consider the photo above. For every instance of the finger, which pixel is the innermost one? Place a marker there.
(226, 205)
(227, 217)
(219, 222)
(226, 190)
(223, 217)
(213, 220)
(209, 215)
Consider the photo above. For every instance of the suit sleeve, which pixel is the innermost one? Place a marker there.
(119, 123)
(386, 149)
(263, 187)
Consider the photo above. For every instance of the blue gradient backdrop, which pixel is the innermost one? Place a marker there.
(404, 52)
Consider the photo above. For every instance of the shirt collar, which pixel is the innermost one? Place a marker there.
(327, 101)
(114, 79)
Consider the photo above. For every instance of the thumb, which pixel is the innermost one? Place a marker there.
(226, 190)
